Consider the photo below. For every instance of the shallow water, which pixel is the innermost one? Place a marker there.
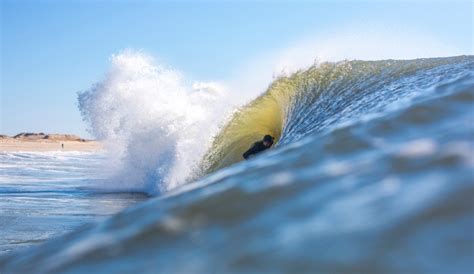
(373, 173)
(45, 195)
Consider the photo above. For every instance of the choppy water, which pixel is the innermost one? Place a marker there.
(373, 173)
(45, 195)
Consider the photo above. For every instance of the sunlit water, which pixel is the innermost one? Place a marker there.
(373, 173)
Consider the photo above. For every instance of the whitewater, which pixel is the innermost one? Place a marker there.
(372, 172)
(154, 125)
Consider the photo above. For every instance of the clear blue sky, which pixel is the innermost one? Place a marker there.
(53, 49)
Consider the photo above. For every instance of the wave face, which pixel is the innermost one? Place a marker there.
(322, 98)
(372, 173)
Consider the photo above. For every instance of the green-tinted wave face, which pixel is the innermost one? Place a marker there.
(267, 114)
(315, 99)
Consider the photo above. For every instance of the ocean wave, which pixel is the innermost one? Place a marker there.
(161, 133)
(372, 173)
(329, 95)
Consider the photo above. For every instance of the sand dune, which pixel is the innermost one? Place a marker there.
(47, 142)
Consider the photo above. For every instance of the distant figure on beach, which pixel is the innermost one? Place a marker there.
(62, 146)
(259, 146)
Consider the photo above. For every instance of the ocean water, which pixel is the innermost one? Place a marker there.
(47, 194)
(373, 172)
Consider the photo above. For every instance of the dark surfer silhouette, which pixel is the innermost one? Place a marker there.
(259, 146)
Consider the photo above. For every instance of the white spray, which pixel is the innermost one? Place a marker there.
(155, 129)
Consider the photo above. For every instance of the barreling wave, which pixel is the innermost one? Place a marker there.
(323, 97)
(160, 133)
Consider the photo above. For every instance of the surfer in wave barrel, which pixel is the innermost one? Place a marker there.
(259, 146)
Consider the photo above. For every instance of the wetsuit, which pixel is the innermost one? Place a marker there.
(257, 147)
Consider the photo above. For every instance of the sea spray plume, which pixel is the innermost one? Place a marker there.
(155, 129)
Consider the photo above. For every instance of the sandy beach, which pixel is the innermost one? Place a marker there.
(46, 145)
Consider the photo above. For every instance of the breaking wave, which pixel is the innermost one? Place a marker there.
(161, 132)
(324, 97)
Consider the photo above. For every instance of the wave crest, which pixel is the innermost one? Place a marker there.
(155, 128)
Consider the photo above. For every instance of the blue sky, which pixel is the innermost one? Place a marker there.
(53, 49)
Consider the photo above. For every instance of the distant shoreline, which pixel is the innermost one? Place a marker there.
(40, 142)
